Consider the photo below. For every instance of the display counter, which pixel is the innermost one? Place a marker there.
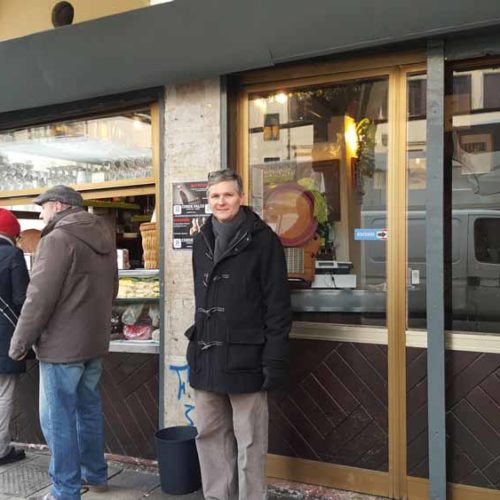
(136, 315)
(339, 300)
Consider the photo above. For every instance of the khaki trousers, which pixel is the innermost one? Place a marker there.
(232, 444)
(7, 393)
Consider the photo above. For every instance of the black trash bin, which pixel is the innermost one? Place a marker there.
(178, 460)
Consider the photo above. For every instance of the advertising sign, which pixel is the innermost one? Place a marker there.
(190, 211)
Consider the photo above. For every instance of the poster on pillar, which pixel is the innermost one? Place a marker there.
(190, 211)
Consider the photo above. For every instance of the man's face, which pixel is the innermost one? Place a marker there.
(49, 208)
(225, 200)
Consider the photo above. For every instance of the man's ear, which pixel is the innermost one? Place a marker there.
(59, 206)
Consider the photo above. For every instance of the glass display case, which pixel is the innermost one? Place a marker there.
(109, 151)
(112, 160)
(136, 312)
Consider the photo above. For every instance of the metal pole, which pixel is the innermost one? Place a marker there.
(435, 269)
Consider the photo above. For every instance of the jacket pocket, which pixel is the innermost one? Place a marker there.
(191, 353)
(244, 350)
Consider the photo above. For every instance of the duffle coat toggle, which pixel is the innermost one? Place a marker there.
(207, 345)
(209, 312)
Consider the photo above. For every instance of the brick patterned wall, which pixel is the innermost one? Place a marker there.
(472, 417)
(335, 408)
(129, 389)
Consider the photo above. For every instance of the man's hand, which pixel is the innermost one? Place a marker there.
(273, 378)
(16, 353)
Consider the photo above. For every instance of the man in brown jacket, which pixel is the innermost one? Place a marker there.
(66, 318)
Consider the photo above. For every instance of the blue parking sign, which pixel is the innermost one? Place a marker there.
(370, 234)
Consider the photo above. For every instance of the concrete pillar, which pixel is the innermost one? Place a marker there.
(192, 149)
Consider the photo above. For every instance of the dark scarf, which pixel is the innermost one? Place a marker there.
(226, 232)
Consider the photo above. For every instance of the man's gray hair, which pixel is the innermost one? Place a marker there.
(224, 175)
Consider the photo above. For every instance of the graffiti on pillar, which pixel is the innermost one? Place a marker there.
(183, 396)
(188, 409)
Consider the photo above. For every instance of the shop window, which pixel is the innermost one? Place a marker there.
(417, 97)
(462, 98)
(318, 165)
(90, 153)
(475, 197)
(474, 220)
(416, 151)
(109, 160)
(491, 90)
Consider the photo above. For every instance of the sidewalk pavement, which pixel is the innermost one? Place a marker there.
(28, 478)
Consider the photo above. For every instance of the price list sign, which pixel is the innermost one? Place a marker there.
(190, 211)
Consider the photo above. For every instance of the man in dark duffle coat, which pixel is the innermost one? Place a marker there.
(238, 344)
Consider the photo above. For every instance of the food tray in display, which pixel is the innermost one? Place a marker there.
(132, 287)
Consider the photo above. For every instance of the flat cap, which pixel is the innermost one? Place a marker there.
(61, 193)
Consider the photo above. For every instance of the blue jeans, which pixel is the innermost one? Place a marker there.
(72, 423)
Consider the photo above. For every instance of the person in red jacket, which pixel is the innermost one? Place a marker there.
(14, 280)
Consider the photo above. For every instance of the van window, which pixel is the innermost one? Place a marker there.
(487, 240)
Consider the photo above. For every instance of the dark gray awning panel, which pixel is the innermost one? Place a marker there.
(191, 39)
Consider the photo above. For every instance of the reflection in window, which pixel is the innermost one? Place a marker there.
(318, 165)
(417, 96)
(491, 93)
(487, 240)
(416, 151)
(475, 188)
(461, 94)
(79, 152)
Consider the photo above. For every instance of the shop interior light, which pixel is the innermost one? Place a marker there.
(261, 104)
(281, 98)
(138, 123)
(351, 136)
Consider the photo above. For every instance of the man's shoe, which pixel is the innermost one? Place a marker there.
(96, 488)
(13, 456)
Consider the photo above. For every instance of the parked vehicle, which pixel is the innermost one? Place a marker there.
(475, 265)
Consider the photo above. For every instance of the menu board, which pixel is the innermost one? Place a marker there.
(190, 211)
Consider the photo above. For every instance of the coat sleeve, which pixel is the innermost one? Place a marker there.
(49, 271)
(116, 280)
(19, 280)
(276, 298)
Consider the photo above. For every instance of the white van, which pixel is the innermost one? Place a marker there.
(475, 265)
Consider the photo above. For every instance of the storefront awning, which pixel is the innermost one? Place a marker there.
(192, 39)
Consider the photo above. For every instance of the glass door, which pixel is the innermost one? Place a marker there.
(317, 159)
